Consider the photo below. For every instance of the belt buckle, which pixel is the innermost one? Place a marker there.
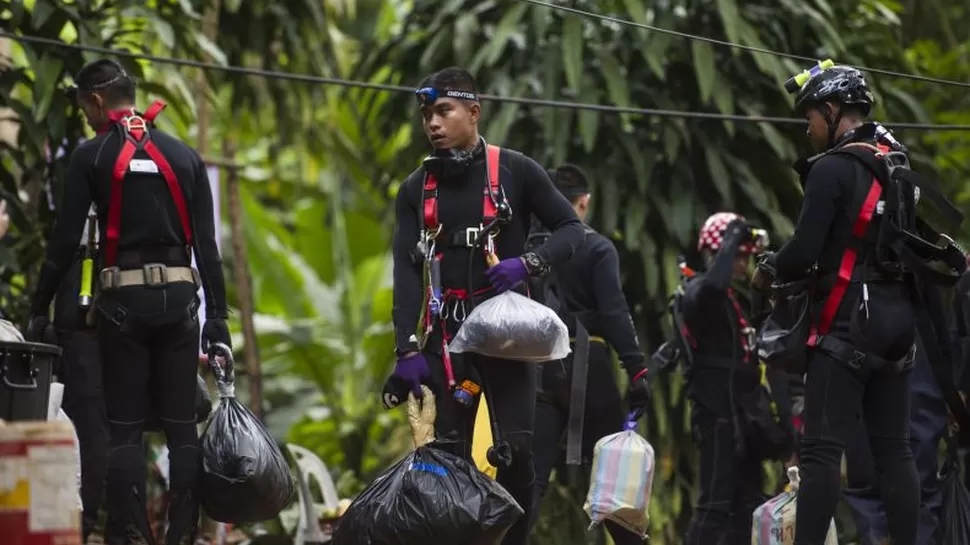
(471, 236)
(155, 274)
(110, 277)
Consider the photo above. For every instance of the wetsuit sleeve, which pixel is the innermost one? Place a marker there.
(704, 295)
(554, 212)
(407, 274)
(819, 207)
(612, 311)
(206, 250)
(63, 245)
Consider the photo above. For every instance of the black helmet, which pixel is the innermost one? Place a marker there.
(842, 84)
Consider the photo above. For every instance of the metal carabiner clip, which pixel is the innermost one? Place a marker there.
(459, 307)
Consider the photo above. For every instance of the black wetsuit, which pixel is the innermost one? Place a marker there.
(589, 288)
(835, 392)
(149, 336)
(723, 376)
(509, 385)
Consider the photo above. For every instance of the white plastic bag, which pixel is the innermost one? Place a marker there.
(56, 414)
(511, 326)
(774, 522)
(620, 481)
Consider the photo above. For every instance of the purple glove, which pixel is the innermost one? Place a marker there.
(409, 373)
(507, 274)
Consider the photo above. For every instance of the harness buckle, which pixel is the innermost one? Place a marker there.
(856, 360)
(110, 277)
(155, 274)
(471, 236)
(134, 122)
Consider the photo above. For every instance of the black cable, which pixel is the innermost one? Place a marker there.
(751, 49)
(307, 78)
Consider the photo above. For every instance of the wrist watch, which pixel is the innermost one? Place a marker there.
(535, 265)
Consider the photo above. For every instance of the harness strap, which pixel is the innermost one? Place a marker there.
(488, 207)
(137, 137)
(849, 258)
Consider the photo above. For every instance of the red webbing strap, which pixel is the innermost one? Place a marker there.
(489, 212)
(847, 266)
(134, 135)
(431, 192)
(113, 228)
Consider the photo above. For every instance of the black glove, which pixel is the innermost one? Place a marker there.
(639, 393)
(215, 330)
(40, 330)
(764, 273)
(395, 391)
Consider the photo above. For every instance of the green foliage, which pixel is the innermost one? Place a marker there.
(320, 161)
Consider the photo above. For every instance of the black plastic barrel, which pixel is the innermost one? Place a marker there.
(26, 371)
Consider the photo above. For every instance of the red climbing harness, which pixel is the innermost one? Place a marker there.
(433, 229)
(137, 137)
(849, 257)
(489, 212)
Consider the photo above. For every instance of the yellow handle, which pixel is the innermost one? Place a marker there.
(87, 275)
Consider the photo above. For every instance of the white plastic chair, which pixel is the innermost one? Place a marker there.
(308, 466)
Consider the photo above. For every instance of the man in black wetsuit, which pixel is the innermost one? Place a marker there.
(586, 289)
(723, 373)
(154, 208)
(462, 185)
(861, 346)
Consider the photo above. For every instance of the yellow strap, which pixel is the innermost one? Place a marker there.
(592, 339)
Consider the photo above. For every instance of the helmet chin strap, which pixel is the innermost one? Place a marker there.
(833, 124)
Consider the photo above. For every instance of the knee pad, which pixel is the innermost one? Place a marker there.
(125, 434)
(180, 434)
(127, 463)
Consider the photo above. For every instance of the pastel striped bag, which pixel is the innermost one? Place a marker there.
(621, 479)
(774, 521)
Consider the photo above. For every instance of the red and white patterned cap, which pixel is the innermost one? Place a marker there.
(712, 233)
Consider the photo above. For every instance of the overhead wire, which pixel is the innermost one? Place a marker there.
(322, 80)
(749, 48)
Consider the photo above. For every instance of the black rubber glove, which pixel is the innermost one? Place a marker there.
(215, 330)
(395, 391)
(40, 330)
(639, 393)
(764, 273)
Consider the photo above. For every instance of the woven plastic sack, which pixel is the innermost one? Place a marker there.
(511, 326)
(621, 479)
(773, 523)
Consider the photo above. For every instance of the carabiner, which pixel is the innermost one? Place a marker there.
(459, 305)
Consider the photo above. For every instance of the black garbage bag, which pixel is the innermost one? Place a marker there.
(783, 336)
(955, 515)
(245, 477)
(430, 497)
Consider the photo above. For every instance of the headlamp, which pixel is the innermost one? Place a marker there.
(429, 95)
(796, 82)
